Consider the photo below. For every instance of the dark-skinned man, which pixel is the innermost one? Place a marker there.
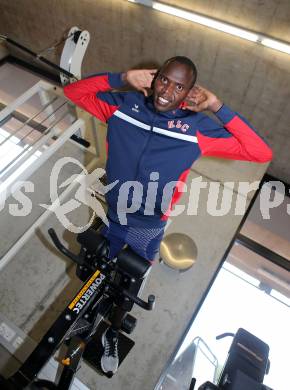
(156, 139)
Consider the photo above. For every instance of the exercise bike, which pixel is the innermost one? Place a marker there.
(246, 365)
(108, 294)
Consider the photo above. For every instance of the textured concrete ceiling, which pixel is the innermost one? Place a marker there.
(267, 16)
(252, 79)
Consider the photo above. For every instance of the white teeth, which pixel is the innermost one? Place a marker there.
(162, 100)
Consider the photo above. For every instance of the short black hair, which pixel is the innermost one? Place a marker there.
(186, 61)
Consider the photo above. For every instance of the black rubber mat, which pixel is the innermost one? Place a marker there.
(94, 350)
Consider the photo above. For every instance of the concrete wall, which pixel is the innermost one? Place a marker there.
(252, 79)
(3, 50)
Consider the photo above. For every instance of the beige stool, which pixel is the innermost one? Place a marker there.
(178, 251)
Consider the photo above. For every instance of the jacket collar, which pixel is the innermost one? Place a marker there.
(177, 113)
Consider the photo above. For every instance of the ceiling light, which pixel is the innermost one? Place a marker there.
(274, 44)
(205, 21)
(216, 24)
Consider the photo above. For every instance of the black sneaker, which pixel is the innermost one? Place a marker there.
(110, 358)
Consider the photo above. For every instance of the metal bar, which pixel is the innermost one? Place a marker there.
(75, 352)
(26, 236)
(29, 120)
(38, 57)
(24, 97)
(263, 251)
(42, 158)
(28, 152)
(34, 129)
(214, 361)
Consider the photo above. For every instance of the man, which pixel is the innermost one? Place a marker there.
(153, 141)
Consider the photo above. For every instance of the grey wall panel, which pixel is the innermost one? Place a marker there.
(252, 79)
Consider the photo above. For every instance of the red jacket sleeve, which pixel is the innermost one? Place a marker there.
(235, 140)
(92, 94)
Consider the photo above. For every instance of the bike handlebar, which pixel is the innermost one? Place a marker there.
(227, 334)
(62, 248)
(149, 305)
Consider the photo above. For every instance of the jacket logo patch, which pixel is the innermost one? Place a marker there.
(177, 124)
(135, 108)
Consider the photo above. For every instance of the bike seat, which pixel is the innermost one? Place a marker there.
(131, 263)
(93, 241)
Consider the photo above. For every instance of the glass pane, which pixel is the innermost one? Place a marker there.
(269, 225)
(250, 293)
(248, 307)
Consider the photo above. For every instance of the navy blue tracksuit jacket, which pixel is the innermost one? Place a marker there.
(149, 146)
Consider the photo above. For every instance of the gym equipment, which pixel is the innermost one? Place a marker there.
(246, 365)
(72, 55)
(110, 290)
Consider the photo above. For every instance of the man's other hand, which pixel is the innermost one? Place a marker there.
(140, 79)
(201, 99)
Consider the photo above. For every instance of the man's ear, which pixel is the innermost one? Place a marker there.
(154, 78)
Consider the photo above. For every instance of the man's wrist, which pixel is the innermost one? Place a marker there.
(215, 106)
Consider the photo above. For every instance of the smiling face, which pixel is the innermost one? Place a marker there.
(172, 85)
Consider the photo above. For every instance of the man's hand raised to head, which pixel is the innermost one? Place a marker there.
(140, 79)
(201, 99)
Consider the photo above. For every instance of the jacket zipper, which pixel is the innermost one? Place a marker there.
(145, 147)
